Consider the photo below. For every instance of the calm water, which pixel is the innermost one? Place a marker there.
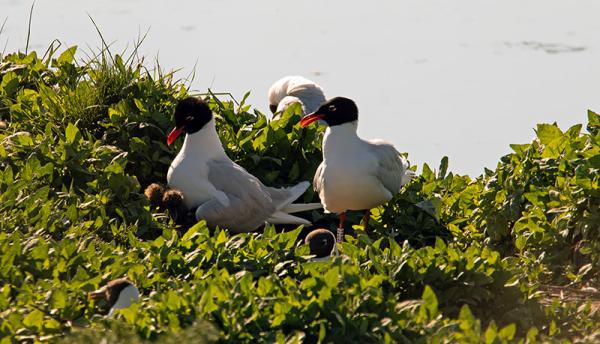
(435, 77)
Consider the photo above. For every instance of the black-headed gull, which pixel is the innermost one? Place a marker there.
(222, 192)
(355, 174)
(119, 293)
(295, 89)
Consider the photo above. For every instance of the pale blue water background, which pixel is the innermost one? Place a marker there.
(458, 78)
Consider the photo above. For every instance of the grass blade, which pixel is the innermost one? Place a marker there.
(29, 27)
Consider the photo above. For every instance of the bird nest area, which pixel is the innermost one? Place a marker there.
(450, 258)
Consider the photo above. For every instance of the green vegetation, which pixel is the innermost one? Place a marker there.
(510, 256)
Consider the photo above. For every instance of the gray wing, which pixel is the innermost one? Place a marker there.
(278, 196)
(318, 179)
(236, 217)
(283, 197)
(250, 203)
(392, 170)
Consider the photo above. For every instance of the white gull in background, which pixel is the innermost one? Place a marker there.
(355, 174)
(295, 89)
(222, 192)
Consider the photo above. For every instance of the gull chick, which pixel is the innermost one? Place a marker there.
(222, 192)
(322, 245)
(119, 293)
(169, 199)
(355, 174)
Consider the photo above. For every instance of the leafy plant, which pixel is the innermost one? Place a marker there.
(450, 259)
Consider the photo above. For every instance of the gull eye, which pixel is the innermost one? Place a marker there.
(332, 108)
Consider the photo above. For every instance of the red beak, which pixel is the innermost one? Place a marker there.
(308, 119)
(173, 135)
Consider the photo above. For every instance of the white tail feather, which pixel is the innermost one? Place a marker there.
(298, 207)
(295, 191)
(282, 218)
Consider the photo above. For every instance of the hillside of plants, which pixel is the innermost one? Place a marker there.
(511, 256)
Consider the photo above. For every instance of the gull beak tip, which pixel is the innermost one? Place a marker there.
(173, 135)
(308, 119)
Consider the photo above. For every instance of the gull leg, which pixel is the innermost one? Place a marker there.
(366, 219)
(340, 230)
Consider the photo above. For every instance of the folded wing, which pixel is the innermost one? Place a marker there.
(393, 170)
(250, 203)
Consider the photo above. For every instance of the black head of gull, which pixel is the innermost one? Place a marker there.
(321, 242)
(336, 111)
(119, 293)
(191, 115)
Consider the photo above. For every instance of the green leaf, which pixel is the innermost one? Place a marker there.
(443, 168)
(466, 317)
(138, 103)
(34, 320)
(491, 333)
(532, 334)
(593, 122)
(332, 276)
(547, 133)
(289, 238)
(322, 332)
(172, 301)
(71, 133)
(430, 301)
(520, 148)
(59, 299)
(9, 84)
(67, 56)
(508, 332)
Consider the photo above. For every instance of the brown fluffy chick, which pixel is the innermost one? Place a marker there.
(173, 202)
(167, 199)
(154, 192)
(321, 242)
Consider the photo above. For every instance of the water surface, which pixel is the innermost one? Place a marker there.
(457, 78)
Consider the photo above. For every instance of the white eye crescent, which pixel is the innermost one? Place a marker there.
(332, 108)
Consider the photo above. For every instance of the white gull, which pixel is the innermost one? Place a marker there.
(295, 89)
(222, 192)
(355, 174)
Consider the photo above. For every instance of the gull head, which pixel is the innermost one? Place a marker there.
(321, 242)
(335, 111)
(191, 115)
